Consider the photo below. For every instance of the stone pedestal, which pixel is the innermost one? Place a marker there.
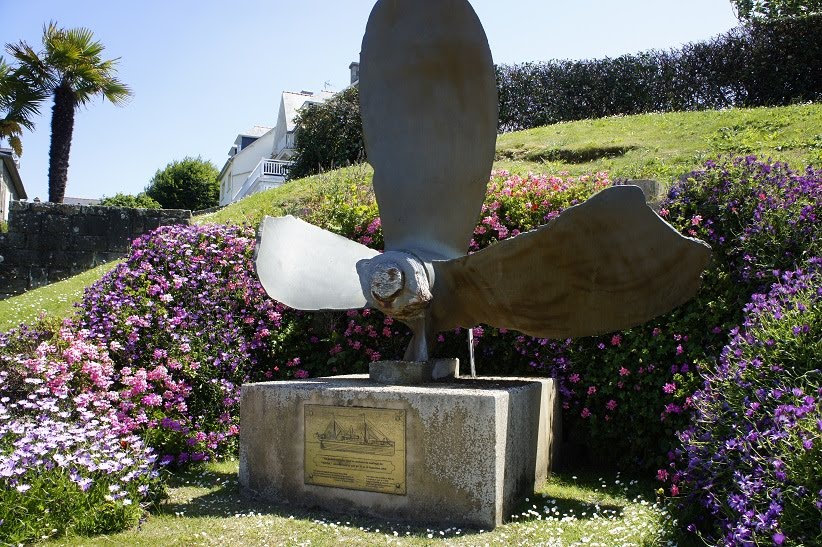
(407, 373)
(461, 453)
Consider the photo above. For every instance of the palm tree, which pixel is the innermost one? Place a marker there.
(69, 68)
(19, 103)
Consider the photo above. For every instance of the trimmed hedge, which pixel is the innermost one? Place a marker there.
(764, 63)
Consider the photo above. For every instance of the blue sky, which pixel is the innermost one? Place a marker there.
(203, 71)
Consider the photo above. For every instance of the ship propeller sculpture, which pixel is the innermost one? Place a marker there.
(429, 109)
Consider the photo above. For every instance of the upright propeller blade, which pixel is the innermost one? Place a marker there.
(608, 264)
(308, 268)
(429, 107)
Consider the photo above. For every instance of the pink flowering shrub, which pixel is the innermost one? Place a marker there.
(186, 323)
(68, 464)
(517, 204)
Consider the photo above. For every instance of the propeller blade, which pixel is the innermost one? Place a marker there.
(428, 100)
(608, 264)
(308, 268)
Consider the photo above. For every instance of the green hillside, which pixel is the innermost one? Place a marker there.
(657, 146)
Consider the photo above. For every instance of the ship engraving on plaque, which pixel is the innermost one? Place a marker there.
(357, 448)
(362, 437)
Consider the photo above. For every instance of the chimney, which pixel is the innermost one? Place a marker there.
(355, 72)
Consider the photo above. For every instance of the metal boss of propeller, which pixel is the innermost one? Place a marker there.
(429, 109)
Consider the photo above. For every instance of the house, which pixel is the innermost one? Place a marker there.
(11, 187)
(259, 158)
(81, 201)
(244, 157)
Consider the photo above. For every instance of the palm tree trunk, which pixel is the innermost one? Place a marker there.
(62, 127)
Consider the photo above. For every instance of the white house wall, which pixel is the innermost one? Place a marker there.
(243, 163)
(290, 105)
(273, 144)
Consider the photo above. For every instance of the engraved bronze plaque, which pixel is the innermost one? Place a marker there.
(357, 448)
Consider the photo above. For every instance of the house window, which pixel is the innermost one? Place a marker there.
(245, 142)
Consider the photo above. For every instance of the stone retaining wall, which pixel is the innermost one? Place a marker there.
(47, 242)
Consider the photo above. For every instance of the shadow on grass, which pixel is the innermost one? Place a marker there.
(600, 492)
(592, 477)
(585, 495)
(224, 501)
(574, 156)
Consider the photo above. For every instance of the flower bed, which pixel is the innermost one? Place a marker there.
(186, 323)
(625, 394)
(163, 342)
(752, 456)
(66, 462)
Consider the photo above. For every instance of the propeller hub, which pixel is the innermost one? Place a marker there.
(387, 282)
(397, 283)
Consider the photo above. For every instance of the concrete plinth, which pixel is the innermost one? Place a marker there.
(406, 373)
(461, 453)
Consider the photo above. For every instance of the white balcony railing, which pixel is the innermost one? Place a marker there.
(273, 168)
(267, 174)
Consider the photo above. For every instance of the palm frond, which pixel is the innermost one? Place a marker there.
(71, 59)
(16, 145)
(11, 130)
(116, 92)
(30, 65)
(9, 127)
(76, 59)
(20, 99)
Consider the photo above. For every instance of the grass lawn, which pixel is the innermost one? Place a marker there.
(204, 508)
(665, 146)
(56, 300)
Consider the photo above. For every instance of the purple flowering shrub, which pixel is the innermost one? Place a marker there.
(67, 463)
(756, 215)
(186, 322)
(753, 454)
(626, 394)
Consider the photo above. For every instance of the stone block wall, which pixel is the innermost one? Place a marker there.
(47, 242)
